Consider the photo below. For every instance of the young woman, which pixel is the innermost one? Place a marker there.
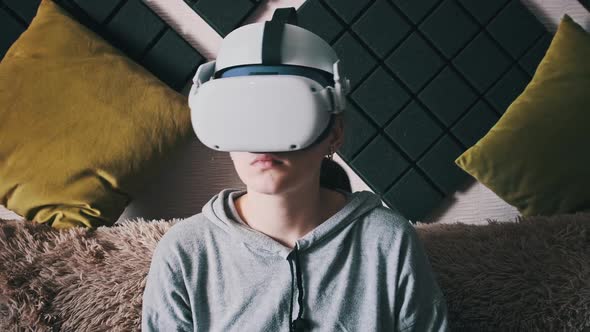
(295, 251)
(287, 248)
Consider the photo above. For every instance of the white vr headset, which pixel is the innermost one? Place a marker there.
(273, 88)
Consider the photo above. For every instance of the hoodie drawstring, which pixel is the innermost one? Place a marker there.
(299, 324)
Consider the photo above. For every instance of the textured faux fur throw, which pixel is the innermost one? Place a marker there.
(532, 275)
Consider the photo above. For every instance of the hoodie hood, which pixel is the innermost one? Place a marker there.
(221, 211)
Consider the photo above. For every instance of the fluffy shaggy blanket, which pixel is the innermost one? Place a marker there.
(532, 275)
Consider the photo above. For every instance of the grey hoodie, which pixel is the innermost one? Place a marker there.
(363, 269)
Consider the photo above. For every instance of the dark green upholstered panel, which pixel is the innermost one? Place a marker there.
(129, 25)
(23, 9)
(11, 26)
(223, 15)
(429, 79)
(15, 16)
(99, 10)
(171, 58)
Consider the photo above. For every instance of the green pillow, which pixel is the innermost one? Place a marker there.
(81, 125)
(537, 156)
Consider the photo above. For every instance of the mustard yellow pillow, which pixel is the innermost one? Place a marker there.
(537, 156)
(81, 125)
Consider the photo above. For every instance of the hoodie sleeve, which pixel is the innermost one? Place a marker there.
(421, 305)
(166, 305)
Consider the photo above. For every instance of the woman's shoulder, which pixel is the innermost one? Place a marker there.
(188, 232)
(384, 218)
(385, 225)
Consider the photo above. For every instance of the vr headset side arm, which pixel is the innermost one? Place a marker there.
(203, 74)
(339, 91)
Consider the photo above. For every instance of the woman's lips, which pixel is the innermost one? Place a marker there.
(266, 161)
(266, 157)
(265, 164)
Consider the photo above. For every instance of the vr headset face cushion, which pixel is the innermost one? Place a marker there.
(82, 127)
(536, 156)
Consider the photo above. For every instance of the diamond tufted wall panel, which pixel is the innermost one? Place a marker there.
(223, 15)
(129, 25)
(429, 79)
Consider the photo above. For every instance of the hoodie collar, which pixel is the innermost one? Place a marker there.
(222, 212)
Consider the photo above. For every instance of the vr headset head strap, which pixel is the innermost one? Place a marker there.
(273, 34)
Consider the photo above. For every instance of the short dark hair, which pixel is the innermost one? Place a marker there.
(332, 175)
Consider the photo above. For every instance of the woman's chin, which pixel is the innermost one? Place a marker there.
(268, 185)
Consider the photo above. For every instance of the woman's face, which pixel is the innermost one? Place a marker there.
(295, 169)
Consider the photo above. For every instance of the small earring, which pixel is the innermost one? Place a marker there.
(331, 155)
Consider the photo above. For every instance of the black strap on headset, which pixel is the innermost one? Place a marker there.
(273, 34)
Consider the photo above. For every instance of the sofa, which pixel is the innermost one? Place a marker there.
(529, 275)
